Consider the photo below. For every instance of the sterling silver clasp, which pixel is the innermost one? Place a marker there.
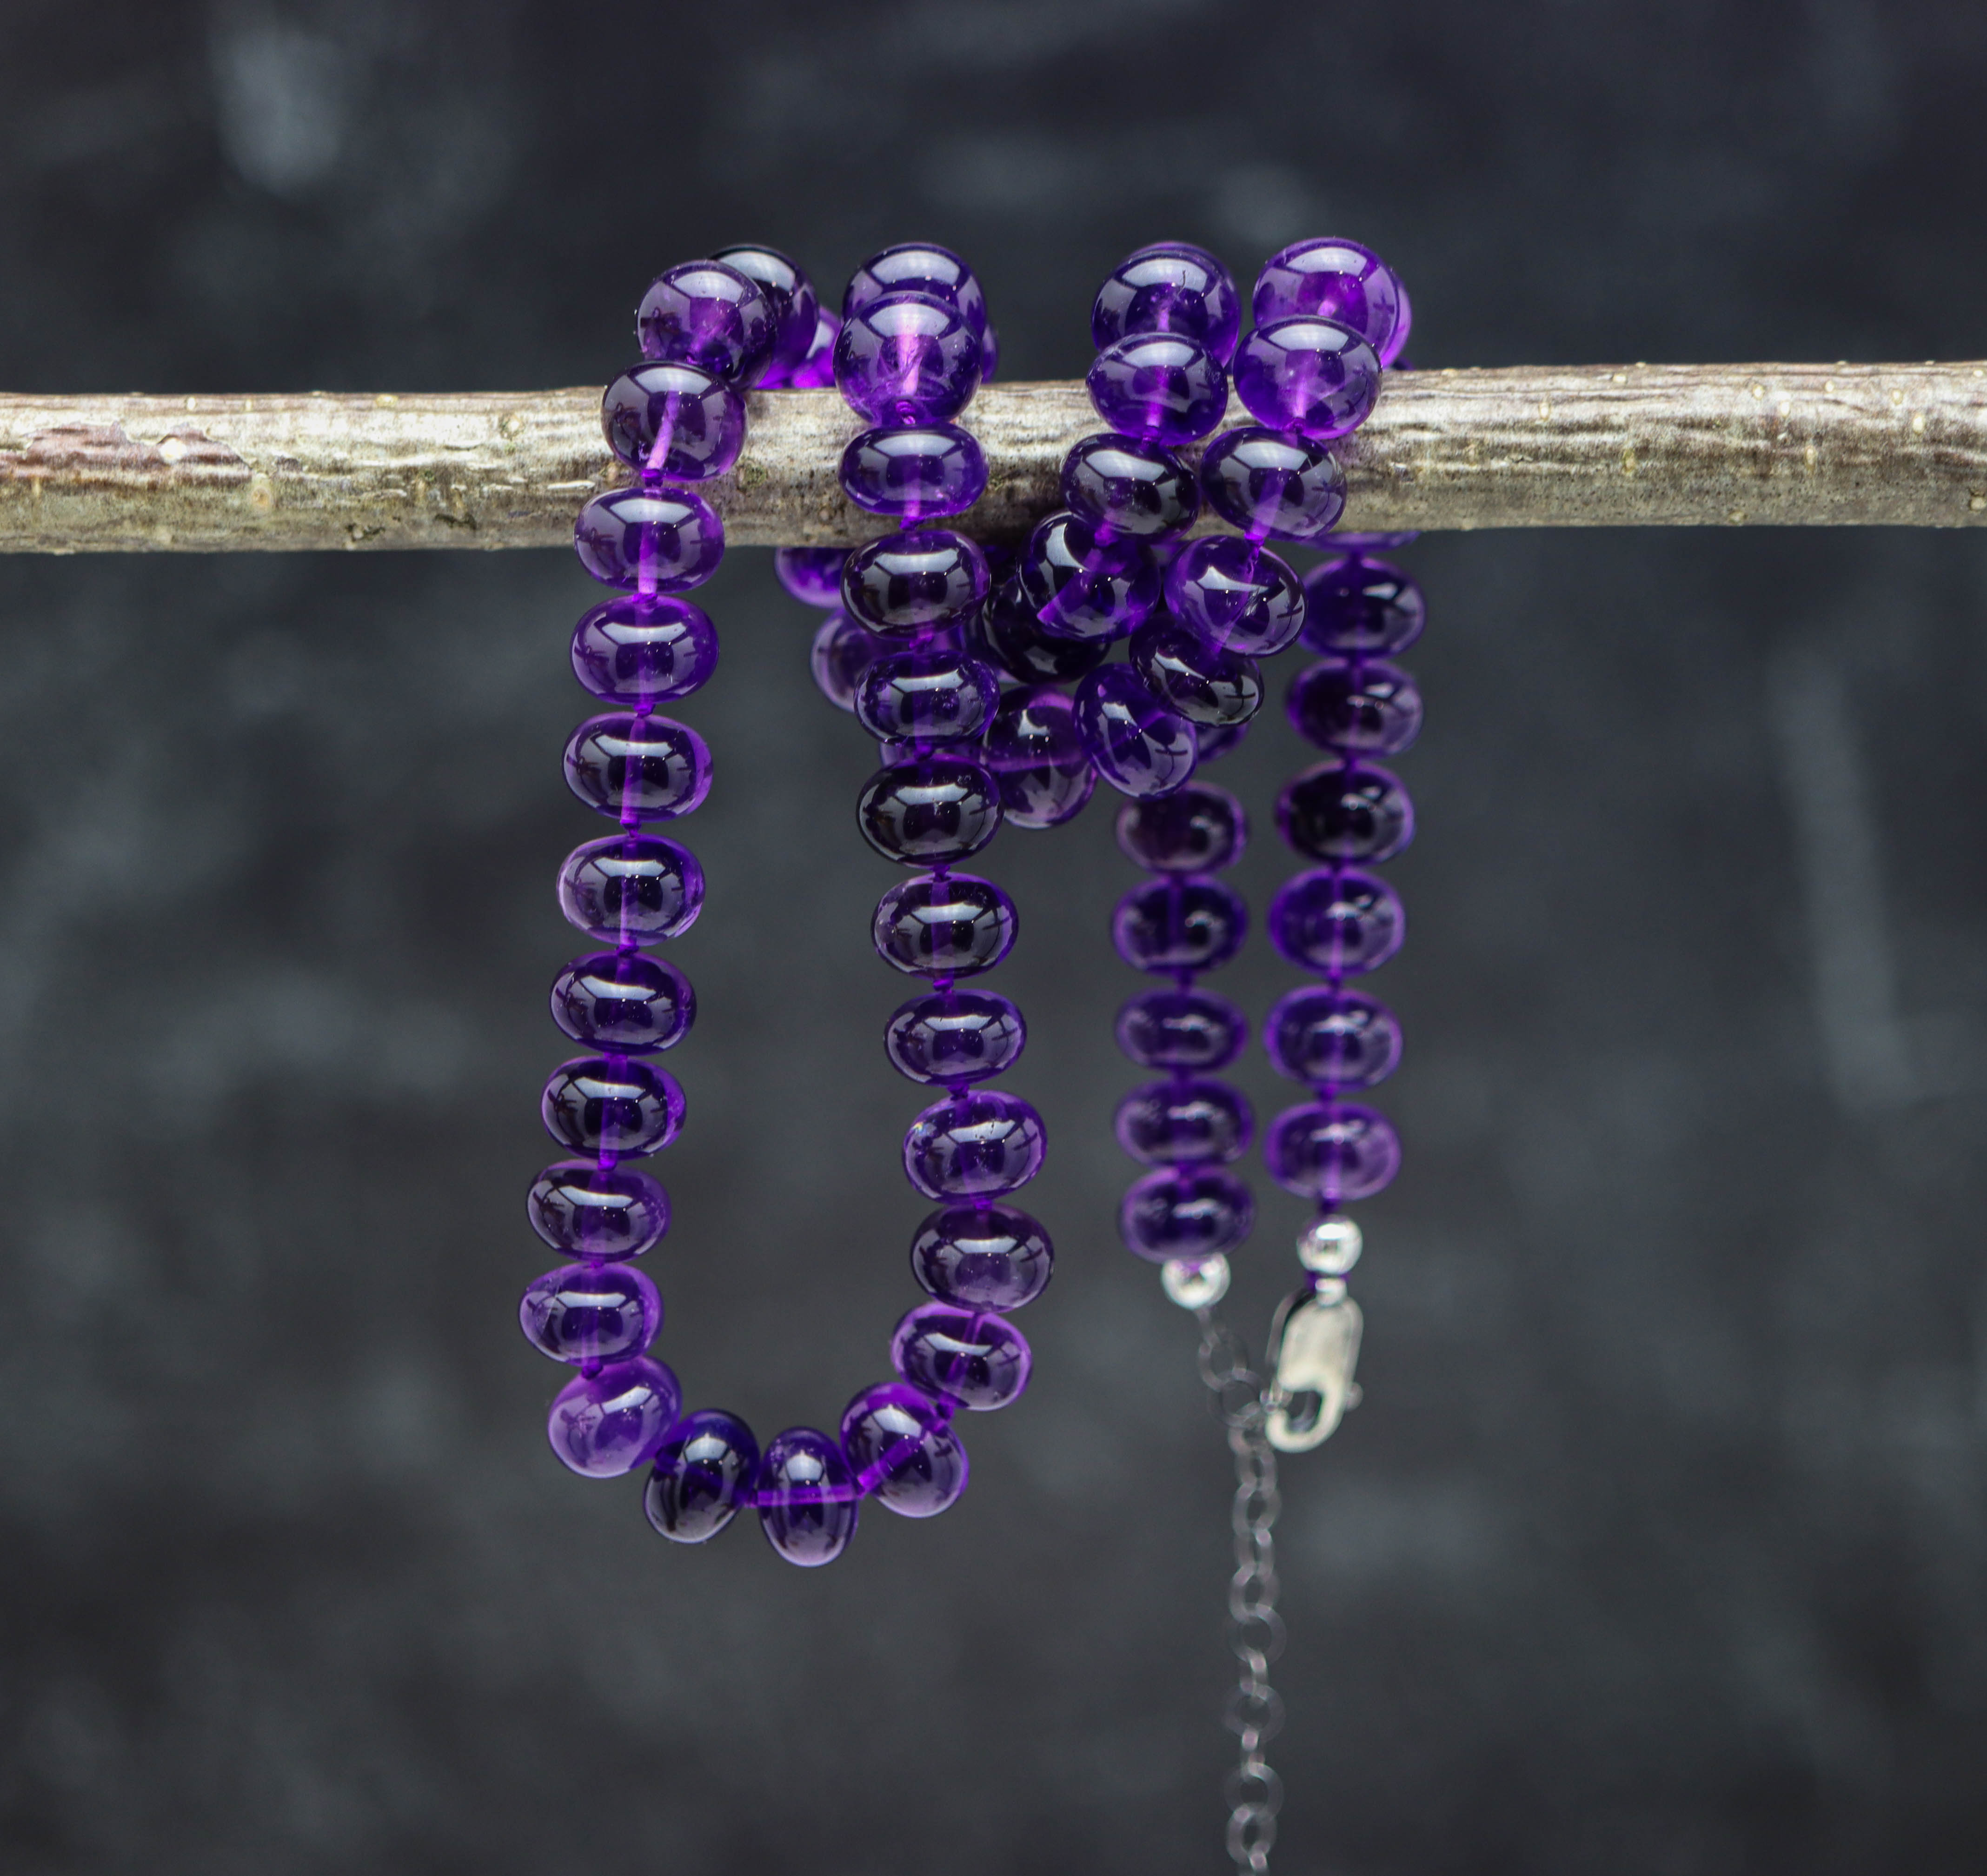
(1314, 1350)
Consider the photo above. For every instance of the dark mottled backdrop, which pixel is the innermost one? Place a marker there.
(1659, 1547)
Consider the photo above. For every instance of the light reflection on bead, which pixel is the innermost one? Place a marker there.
(955, 1036)
(1194, 1284)
(608, 1103)
(807, 1497)
(631, 888)
(607, 1423)
(1190, 1029)
(1336, 920)
(586, 1210)
(982, 1256)
(1332, 1151)
(590, 1312)
(637, 768)
(915, 474)
(635, 651)
(1346, 811)
(900, 1445)
(1330, 1245)
(1178, 923)
(664, 539)
(1185, 1120)
(1188, 1212)
(623, 1001)
(951, 927)
(981, 1360)
(974, 1145)
(703, 1476)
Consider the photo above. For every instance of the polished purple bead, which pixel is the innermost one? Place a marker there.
(706, 313)
(623, 1001)
(906, 359)
(1332, 1151)
(816, 372)
(1199, 828)
(790, 293)
(951, 927)
(1333, 279)
(1190, 1212)
(1362, 607)
(606, 1423)
(703, 1475)
(917, 266)
(844, 650)
(982, 1256)
(899, 1444)
(929, 812)
(914, 475)
(663, 539)
(807, 1497)
(955, 1036)
(1140, 746)
(631, 888)
(1337, 921)
(609, 1104)
(1221, 740)
(937, 697)
(635, 768)
(906, 583)
(1346, 811)
(1171, 287)
(679, 423)
(1037, 756)
(1272, 487)
(1312, 375)
(1184, 1119)
(1163, 386)
(1126, 488)
(974, 1357)
(590, 1312)
(1082, 587)
(1332, 1038)
(1182, 1029)
(1205, 685)
(588, 1210)
(812, 574)
(1356, 706)
(1236, 595)
(975, 1144)
(1179, 923)
(1005, 631)
(637, 650)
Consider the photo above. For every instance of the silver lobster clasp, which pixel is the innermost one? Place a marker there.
(1314, 1349)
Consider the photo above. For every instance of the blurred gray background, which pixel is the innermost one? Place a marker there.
(1659, 1547)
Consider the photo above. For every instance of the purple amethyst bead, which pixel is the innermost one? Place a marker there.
(914, 475)
(789, 292)
(982, 1256)
(972, 1145)
(1205, 685)
(1191, 1212)
(955, 1036)
(1272, 487)
(706, 313)
(663, 539)
(608, 1103)
(1356, 706)
(935, 697)
(1179, 923)
(1185, 1120)
(631, 888)
(623, 1001)
(844, 650)
(955, 927)
(929, 813)
(1199, 828)
(1313, 376)
(917, 266)
(603, 1213)
(1346, 811)
(637, 768)
(1182, 1029)
(1171, 287)
(1005, 631)
(1332, 1038)
(1080, 586)
(906, 359)
(607, 1423)
(807, 1497)
(1332, 1151)
(1122, 487)
(1332, 279)
(1236, 595)
(703, 1476)
(1163, 386)
(678, 422)
(900, 1443)
(975, 1357)
(812, 574)
(1140, 745)
(1337, 921)
(637, 651)
(908, 582)
(590, 1313)
(1364, 608)
(1036, 754)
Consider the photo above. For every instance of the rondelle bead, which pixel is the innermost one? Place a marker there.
(908, 581)
(589, 1210)
(812, 574)
(1313, 376)
(598, 1103)
(1332, 1151)
(1337, 921)
(661, 539)
(1182, 1029)
(679, 423)
(1163, 386)
(906, 359)
(807, 1497)
(1191, 1212)
(1185, 1120)
(1126, 486)
(1272, 487)
(1006, 631)
(955, 1036)
(1334, 279)
(975, 1144)
(1236, 595)
(1346, 811)
(951, 927)
(936, 696)
(606, 1423)
(703, 1475)
(706, 313)
(1363, 607)
(622, 1001)
(900, 1443)
(929, 813)
(1176, 923)
(1037, 758)
(1183, 671)
(973, 1357)
(590, 1312)
(917, 266)
(1140, 746)
(1332, 1038)
(635, 768)
(1171, 287)
(844, 650)
(631, 888)
(796, 307)
(638, 650)
(1356, 706)
(982, 1256)
(1082, 587)
(1199, 828)
(914, 475)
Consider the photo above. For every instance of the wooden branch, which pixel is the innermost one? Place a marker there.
(1593, 446)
